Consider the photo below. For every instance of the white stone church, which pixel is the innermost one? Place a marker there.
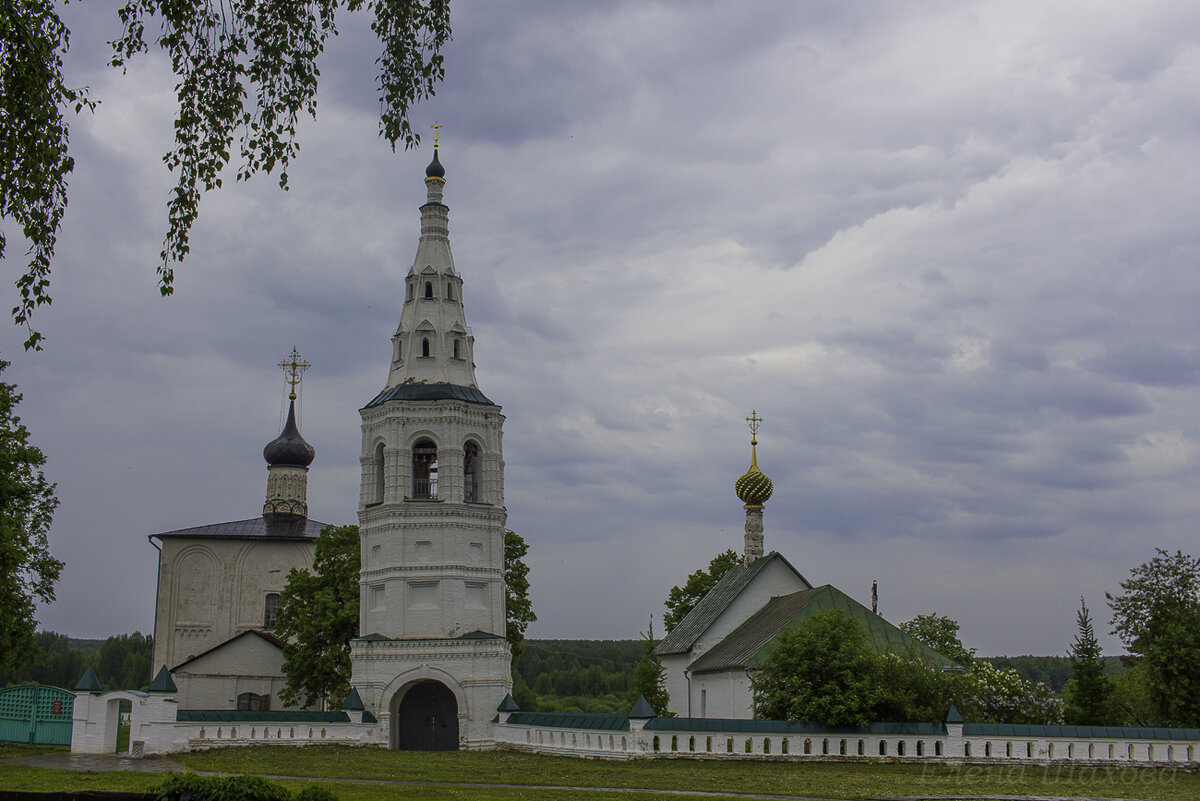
(432, 664)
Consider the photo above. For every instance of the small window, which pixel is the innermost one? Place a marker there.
(253, 702)
(425, 347)
(270, 610)
(456, 353)
(429, 289)
(409, 293)
(449, 291)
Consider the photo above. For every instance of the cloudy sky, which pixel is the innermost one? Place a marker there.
(947, 250)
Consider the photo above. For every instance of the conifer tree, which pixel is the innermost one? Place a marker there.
(650, 677)
(1089, 690)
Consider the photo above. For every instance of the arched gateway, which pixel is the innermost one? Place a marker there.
(426, 718)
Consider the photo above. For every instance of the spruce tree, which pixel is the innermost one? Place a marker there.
(650, 677)
(1089, 690)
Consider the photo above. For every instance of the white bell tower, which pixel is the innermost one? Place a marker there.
(432, 663)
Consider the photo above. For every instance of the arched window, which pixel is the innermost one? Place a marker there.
(472, 473)
(449, 290)
(425, 347)
(409, 293)
(378, 497)
(456, 353)
(270, 610)
(429, 289)
(253, 702)
(425, 470)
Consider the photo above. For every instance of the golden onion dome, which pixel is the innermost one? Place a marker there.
(754, 488)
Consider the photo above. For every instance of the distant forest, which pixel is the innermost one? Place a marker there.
(122, 661)
(550, 676)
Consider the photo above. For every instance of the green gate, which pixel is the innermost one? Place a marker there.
(36, 714)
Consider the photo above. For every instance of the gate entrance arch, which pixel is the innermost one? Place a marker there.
(425, 718)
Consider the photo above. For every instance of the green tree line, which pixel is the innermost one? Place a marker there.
(123, 661)
(576, 675)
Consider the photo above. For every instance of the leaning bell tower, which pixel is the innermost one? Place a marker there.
(432, 662)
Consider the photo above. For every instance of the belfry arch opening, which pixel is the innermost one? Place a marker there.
(379, 459)
(425, 718)
(472, 473)
(425, 470)
(429, 289)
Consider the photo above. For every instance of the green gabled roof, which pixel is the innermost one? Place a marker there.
(422, 392)
(162, 682)
(597, 721)
(509, 704)
(89, 682)
(715, 602)
(748, 645)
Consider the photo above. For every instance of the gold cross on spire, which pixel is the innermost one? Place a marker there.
(436, 130)
(754, 420)
(293, 367)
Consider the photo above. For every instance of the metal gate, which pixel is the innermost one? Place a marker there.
(36, 714)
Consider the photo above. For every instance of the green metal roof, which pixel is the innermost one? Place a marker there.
(430, 392)
(266, 716)
(509, 704)
(353, 702)
(478, 635)
(716, 601)
(89, 682)
(1018, 730)
(162, 682)
(748, 645)
(797, 727)
(597, 721)
(641, 709)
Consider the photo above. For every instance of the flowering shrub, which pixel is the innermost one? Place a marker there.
(986, 694)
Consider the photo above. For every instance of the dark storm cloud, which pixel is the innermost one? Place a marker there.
(947, 251)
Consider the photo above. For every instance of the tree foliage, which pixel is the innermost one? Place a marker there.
(34, 160)
(650, 677)
(1087, 695)
(1167, 581)
(518, 609)
(681, 599)
(1157, 616)
(27, 504)
(822, 670)
(941, 634)
(247, 71)
(318, 616)
(576, 675)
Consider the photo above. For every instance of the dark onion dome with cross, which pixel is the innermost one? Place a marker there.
(754, 488)
(435, 168)
(289, 448)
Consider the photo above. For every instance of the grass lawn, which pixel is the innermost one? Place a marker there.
(820, 779)
(812, 779)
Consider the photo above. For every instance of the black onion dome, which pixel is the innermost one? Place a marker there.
(289, 448)
(435, 168)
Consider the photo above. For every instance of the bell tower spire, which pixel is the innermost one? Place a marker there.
(432, 344)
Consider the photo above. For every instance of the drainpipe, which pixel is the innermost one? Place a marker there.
(687, 676)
